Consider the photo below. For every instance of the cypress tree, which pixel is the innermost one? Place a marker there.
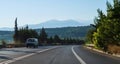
(15, 31)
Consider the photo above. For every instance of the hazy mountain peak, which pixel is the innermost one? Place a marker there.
(56, 23)
(52, 24)
(6, 29)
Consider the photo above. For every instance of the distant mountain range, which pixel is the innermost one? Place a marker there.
(53, 24)
(6, 29)
(56, 24)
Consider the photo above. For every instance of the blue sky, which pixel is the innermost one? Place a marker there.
(38, 11)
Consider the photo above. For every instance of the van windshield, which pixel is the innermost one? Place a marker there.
(31, 40)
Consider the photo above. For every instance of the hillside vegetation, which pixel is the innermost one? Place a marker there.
(6, 35)
(65, 32)
(68, 32)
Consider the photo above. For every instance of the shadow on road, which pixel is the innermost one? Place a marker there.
(20, 51)
(4, 57)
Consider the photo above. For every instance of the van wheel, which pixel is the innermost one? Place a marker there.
(27, 46)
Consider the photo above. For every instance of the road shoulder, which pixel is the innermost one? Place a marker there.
(93, 50)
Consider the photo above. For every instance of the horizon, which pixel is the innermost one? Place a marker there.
(39, 11)
(50, 24)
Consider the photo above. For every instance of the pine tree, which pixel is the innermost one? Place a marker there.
(43, 36)
(25, 33)
(50, 40)
(107, 26)
(57, 39)
(27, 27)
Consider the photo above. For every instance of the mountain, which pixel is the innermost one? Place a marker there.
(53, 24)
(6, 29)
(56, 24)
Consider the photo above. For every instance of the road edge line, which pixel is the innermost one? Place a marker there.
(25, 56)
(76, 55)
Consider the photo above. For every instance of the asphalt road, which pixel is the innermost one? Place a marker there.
(92, 57)
(66, 55)
(11, 53)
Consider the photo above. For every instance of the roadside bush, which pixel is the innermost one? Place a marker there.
(3, 43)
(15, 44)
(18, 44)
(113, 49)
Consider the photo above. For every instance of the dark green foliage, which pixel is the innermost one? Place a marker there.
(70, 41)
(27, 27)
(3, 43)
(73, 32)
(42, 36)
(66, 41)
(57, 39)
(89, 36)
(50, 40)
(24, 33)
(16, 31)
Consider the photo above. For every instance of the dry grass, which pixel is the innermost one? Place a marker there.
(14, 45)
(113, 49)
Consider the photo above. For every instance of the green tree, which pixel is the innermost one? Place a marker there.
(43, 36)
(57, 39)
(15, 31)
(3, 42)
(25, 33)
(22, 34)
(27, 27)
(107, 26)
(50, 40)
(89, 36)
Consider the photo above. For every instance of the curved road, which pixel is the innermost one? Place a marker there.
(67, 55)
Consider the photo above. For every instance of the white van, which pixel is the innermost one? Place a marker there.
(32, 42)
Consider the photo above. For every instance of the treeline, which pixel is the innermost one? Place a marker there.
(20, 36)
(56, 40)
(106, 30)
(64, 32)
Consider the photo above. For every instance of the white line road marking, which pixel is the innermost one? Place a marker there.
(79, 59)
(28, 55)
